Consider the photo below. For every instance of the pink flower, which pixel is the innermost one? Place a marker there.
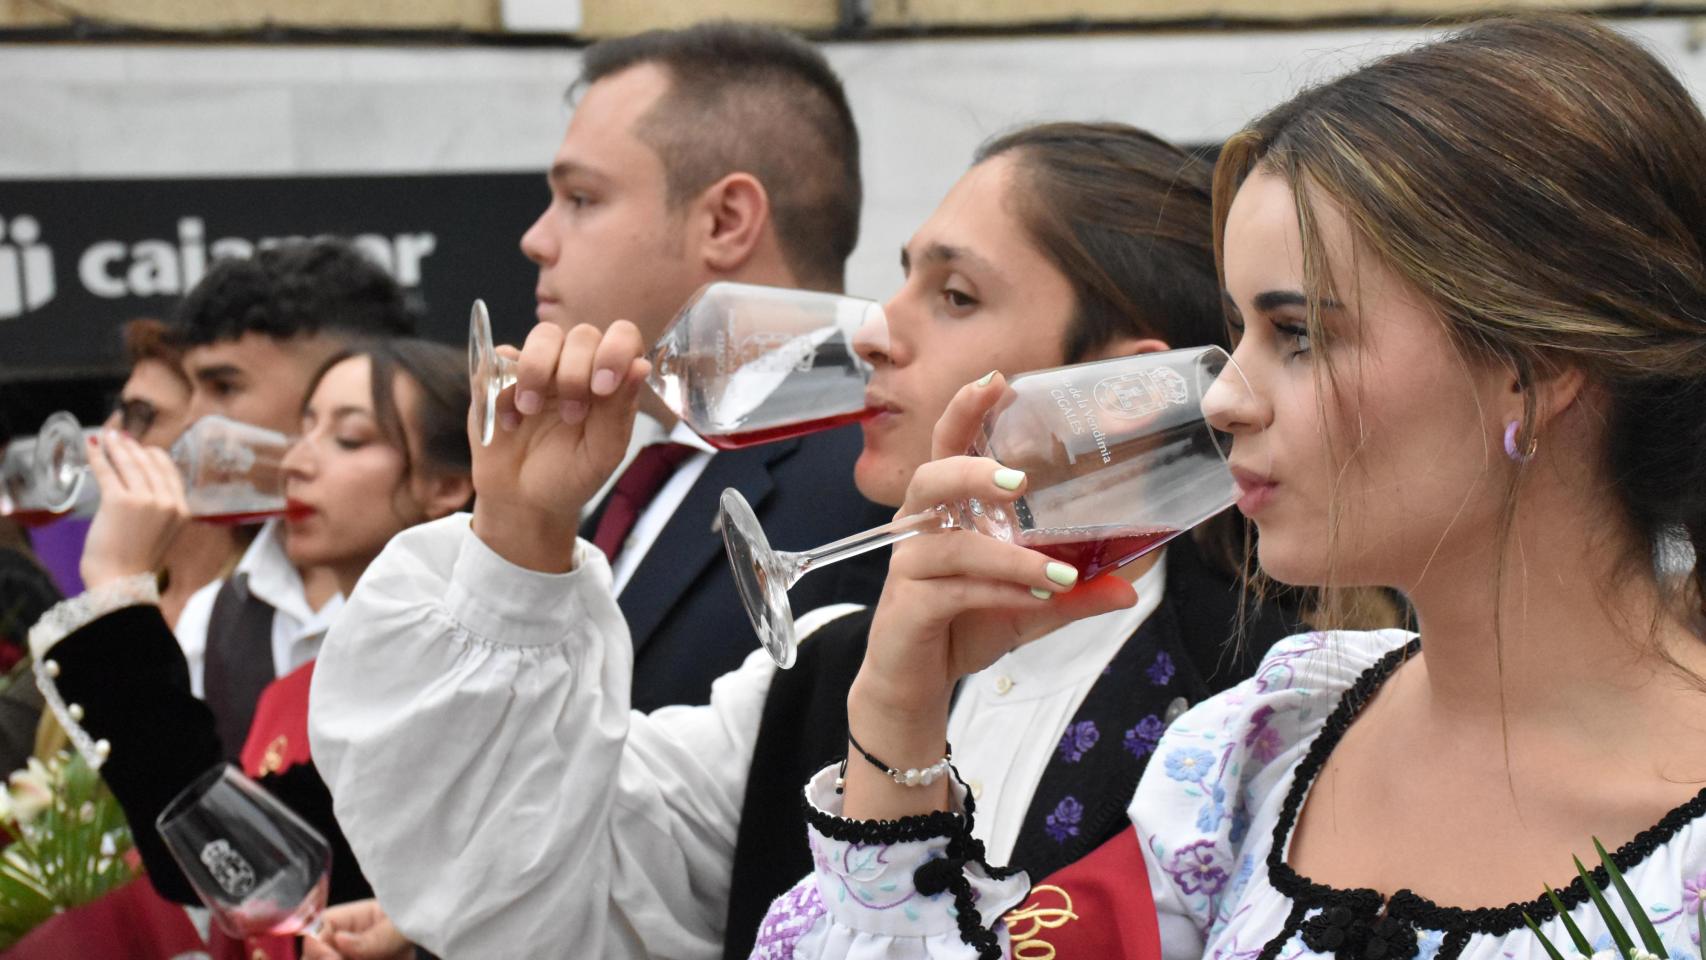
(1694, 893)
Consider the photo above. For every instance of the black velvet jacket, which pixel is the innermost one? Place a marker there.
(128, 674)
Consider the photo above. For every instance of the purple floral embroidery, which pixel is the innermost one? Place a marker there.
(791, 917)
(1189, 764)
(1196, 868)
(1079, 738)
(1063, 822)
(1694, 894)
(1161, 671)
(1141, 739)
(1263, 741)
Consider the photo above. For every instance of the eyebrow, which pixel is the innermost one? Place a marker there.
(943, 253)
(221, 371)
(562, 170)
(338, 413)
(1274, 299)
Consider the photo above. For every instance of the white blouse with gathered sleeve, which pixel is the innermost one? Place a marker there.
(1225, 784)
(471, 720)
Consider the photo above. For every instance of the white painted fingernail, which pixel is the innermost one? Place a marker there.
(604, 383)
(1061, 573)
(1041, 594)
(1009, 479)
(986, 378)
(529, 402)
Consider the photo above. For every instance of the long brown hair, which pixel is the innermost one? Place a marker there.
(1542, 180)
(1125, 217)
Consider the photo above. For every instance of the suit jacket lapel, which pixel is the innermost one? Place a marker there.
(687, 545)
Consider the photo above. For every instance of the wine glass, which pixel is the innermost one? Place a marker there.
(233, 471)
(1119, 457)
(257, 866)
(740, 364)
(24, 498)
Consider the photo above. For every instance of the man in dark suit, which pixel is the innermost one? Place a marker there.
(720, 152)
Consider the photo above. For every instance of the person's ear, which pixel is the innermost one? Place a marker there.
(733, 213)
(441, 495)
(1125, 347)
(1556, 390)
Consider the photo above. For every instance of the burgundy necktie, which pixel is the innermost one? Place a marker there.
(634, 490)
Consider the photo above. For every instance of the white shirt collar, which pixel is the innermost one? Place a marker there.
(273, 578)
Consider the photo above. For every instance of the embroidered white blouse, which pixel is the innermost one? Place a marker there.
(1227, 779)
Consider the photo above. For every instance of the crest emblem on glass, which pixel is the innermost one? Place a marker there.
(1120, 458)
(741, 364)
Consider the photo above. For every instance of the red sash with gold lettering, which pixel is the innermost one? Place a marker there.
(1097, 907)
(278, 737)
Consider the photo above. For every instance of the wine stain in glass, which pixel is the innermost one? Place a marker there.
(1095, 550)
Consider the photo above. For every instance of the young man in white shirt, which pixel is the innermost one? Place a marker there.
(721, 152)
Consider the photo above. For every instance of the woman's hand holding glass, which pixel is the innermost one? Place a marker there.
(954, 602)
(357, 931)
(142, 508)
(563, 429)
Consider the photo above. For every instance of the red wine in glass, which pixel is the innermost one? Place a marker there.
(1119, 455)
(749, 438)
(1096, 550)
(291, 511)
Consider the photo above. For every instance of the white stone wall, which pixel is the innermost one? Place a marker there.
(922, 106)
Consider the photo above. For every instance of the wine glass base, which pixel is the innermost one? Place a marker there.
(760, 576)
(61, 462)
(483, 371)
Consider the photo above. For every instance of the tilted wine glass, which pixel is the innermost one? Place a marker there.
(233, 471)
(257, 866)
(1119, 458)
(741, 364)
(22, 496)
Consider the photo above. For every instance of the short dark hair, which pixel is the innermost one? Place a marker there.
(297, 288)
(756, 100)
(1127, 218)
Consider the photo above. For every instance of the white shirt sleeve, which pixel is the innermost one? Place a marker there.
(191, 631)
(471, 719)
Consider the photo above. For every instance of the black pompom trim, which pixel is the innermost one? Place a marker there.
(1357, 913)
(941, 875)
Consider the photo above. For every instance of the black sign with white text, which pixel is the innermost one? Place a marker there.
(78, 258)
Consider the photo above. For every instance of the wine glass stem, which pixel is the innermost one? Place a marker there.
(936, 518)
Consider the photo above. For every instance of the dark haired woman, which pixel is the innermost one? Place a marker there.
(1470, 297)
(383, 447)
(656, 835)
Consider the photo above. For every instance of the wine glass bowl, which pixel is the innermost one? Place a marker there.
(1119, 457)
(257, 866)
(740, 364)
(743, 364)
(232, 471)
